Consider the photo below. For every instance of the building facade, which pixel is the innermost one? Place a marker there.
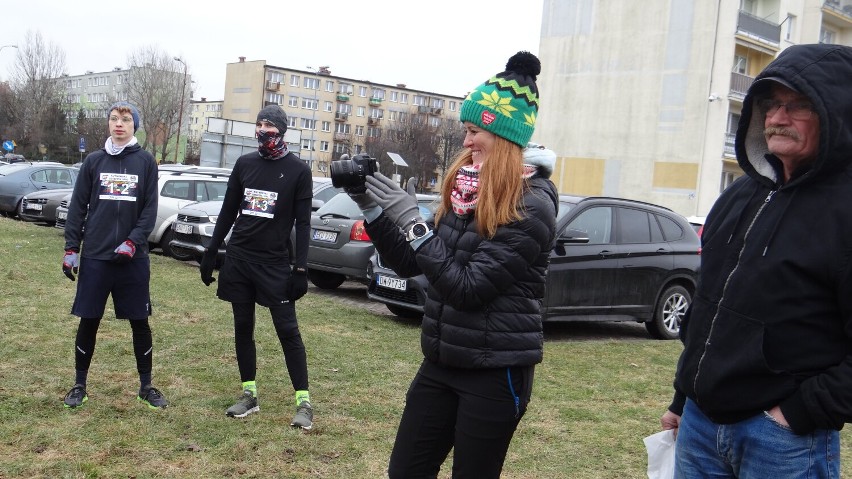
(199, 112)
(641, 99)
(336, 114)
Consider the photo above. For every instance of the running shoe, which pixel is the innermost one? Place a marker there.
(245, 405)
(152, 398)
(76, 397)
(304, 417)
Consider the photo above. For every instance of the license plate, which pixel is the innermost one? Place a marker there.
(34, 206)
(325, 236)
(392, 283)
(62, 215)
(183, 229)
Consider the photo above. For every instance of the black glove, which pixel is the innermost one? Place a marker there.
(397, 204)
(124, 252)
(70, 263)
(297, 285)
(206, 267)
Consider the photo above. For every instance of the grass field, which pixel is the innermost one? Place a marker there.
(593, 401)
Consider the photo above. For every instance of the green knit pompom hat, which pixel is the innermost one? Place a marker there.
(507, 104)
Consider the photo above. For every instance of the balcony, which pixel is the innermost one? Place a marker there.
(343, 137)
(843, 8)
(273, 86)
(342, 97)
(422, 109)
(758, 29)
(373, 121)
(740, 84)
(435, 111)
(729, 145)
(341, 116)
(375, 101)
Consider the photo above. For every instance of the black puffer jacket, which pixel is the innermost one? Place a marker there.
(771, 323)
(484, 296)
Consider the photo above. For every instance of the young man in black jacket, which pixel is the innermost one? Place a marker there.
(269, 191)
(764, 383)
(115, 197)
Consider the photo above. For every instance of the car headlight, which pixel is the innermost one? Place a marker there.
(213, 218)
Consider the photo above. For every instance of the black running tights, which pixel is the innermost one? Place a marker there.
(87, 334)
(287, 329)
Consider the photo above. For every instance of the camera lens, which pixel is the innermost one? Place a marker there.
(352, 173)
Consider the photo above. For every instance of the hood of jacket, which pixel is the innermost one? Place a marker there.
(821, 73)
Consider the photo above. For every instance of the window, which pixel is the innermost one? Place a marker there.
(378, 93)
(345, 108)
(276, 98)
(312, 83)
(294, 80)
(310, 103)
(323, 146)
(392, 115)
(403, 117)
(345, 89)
(727, 178)
(791, 28)
(359, 130)
(377, 113)
(326, 126)
(596, 223)
(826, 35)
(740, 64)
(435, 122)
(306, 144)
(210, 190)
(452, 106)
(291, 121)
(373, 132)
(634, 226)
(343, 128)
(275, 77)
(403, 97)
(293, 101)
(419, 100)
(437, 103)
(362, 91)
(394, 96)
(329, 106)
(308, 124)
(329, 85)
(671, 230)
(177, 189)
(361, 111)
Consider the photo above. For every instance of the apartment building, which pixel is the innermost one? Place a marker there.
(199, 112)
(93, 92)
(336, 114)
(642, 99)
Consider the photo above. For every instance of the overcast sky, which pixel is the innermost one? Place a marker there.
(443, 46)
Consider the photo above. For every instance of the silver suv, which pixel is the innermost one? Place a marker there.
(195, 223)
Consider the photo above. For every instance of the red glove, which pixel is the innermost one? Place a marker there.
(70, 264)
(125, 251)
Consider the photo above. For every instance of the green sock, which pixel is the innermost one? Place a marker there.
(250, 386)
(302, 396)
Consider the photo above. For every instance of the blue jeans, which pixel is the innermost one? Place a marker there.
(755, 448)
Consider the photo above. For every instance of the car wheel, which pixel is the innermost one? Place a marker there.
(671, 307)
(179, 254)
(325, 280)
(404, 312)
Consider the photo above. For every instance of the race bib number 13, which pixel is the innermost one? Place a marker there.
(259, 203)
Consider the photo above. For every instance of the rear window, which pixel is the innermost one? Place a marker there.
(671, 230)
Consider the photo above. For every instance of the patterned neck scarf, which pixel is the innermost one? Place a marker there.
(270, 145)
(465, 194)
(114, 150)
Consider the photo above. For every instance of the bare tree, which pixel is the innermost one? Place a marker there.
(154, 84)
(37, 90)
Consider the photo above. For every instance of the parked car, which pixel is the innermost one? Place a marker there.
(194, 225)
(178, 186)
(19, 179)
(40, 206)
(339, 246)
(614, 260)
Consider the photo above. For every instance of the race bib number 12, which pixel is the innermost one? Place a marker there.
(118, 187)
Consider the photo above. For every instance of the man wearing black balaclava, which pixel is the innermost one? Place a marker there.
(269, 191)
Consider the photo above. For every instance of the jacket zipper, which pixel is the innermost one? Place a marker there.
(724, 291)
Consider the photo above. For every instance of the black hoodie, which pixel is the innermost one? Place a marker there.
(771, 323)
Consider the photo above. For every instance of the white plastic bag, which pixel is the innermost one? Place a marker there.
(661, 452)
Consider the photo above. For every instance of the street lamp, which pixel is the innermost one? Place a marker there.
(180, 114)
(313, 121)
(10, 46)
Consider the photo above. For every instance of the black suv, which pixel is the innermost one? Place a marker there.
(614, 260)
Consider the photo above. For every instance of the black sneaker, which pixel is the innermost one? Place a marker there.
(304, 417)
(245, 405)
(152, 398)
(76, 397)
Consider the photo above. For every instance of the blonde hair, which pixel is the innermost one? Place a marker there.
(500, 186)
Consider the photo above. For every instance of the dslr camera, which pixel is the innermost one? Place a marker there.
(352, 173)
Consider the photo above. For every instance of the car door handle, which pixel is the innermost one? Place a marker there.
(605, 253)
(663, 251)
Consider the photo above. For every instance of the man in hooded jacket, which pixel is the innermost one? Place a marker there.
(764, 382)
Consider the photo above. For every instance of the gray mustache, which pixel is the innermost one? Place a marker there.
(780, 130)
